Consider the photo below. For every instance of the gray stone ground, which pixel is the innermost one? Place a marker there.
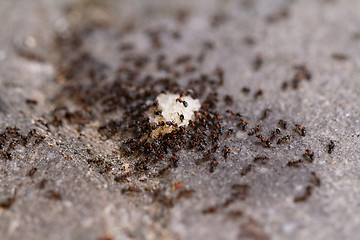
(67, 198)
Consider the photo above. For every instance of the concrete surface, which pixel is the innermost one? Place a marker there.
(71, 196)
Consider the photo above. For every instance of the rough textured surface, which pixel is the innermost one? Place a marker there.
(67, 186)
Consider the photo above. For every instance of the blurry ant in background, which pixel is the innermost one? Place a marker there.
(301, 130)
(331, 147)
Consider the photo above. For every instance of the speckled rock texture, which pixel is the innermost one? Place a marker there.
(76, 76)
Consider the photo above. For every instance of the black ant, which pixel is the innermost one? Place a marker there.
(305, 196)
(122, 177)
(283, 139)
(8, 202)
(228, 100)
(12, 145)
(301, 129)
(6, 155)
(304, 72)
(263, 140)
(214, 137)
(284, 85)
(315, 180)
(32, 132)
(39, 139)
(210, 210)
(242, 124)
(274, 134)
(296, 80)
(246, 170)
(220, 73)
(31, 101)
(282, 123)
(213, 165)
(196, 114)
(295, 163)
(309, 154)
(258, 62)
(331, 147)
(261, 159)
(52, 194)
(32, 172)
(265, 114)
(235, 114)
(254, 130)
(179, 100)
(226, 152)
(258, 94)
(245, 90)
(43, 123)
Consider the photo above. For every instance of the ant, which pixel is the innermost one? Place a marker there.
(282, 123)
(31, 101)
(296, 80)
(209, 210)
(284, 85)
(274, 134)
(316, 180)
(295, 163)
(6, 155)
(213, 165)
(301, 129)
(122, 177)
(228, 100)
(32, 172)
(182, 101)
(309, 154)
(246, 170)
(258, 62)
(263, 140)
(265, 114)
(32, 132)
(261, 159)
(242, 124)
(196, 114)
(245, 90)
(214, 137)
(254, 130)
(12, 145)
(52, 194)
(230, 131)
(226, 152)
(233, 113)
(258, 94)
(220, 73)
(305, 195)
(284, 139)
(331, 147)
(304, 71)
(39, 139)
(158, 112)
(43, 123)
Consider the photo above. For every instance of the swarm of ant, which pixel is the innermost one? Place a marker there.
(132, 91)
(11, 137)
